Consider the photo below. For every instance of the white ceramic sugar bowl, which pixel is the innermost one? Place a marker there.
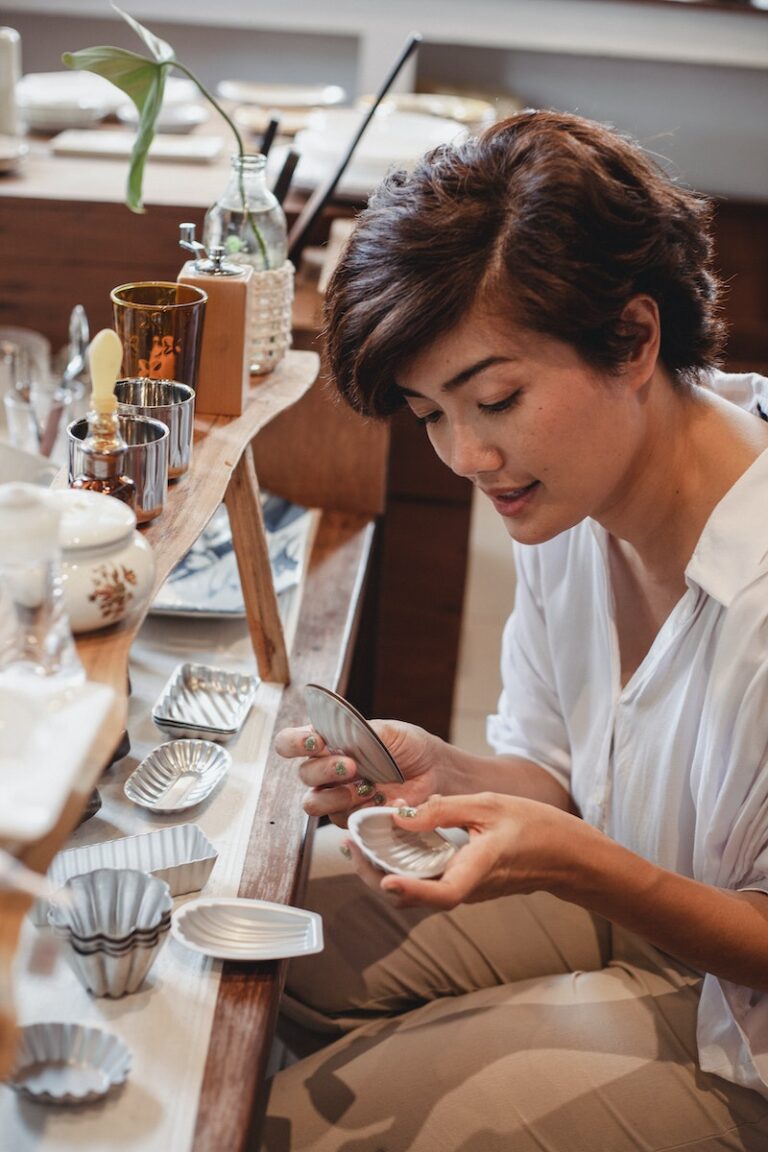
(107, 566)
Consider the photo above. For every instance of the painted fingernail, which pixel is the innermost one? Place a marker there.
(340, 768)
(310, 743)
(379, 798)
(407, 813)
(363, 787)
(393, 890)
(346, 851)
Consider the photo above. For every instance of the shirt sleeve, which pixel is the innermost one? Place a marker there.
(529, 720)
(731, 847)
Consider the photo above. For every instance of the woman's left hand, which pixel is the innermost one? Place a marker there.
(515, 846)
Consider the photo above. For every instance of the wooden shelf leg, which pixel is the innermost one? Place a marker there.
(250, 544)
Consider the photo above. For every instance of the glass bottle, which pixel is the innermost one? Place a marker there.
(104, 454)
(37, 650)
(255, 234)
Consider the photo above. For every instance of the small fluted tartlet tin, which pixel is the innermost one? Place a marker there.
(423, 855)
(205, 702)
(178, 775)
(61, 1063)
(103, 972)
(112, 906)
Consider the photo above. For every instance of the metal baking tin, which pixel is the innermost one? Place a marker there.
(404, 852)
(181, 855)
(178, 775)
(61, 1063)
(344, 730)
(201, 701)
(235, 928)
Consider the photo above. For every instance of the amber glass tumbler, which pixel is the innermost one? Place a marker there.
(161, 326)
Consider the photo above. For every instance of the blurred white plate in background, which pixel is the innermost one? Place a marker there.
(280, 95)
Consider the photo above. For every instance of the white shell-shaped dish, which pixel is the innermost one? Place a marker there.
(112, 906)
(423, 855)
(344, 730)
(178, 775)
(60, 1063)
(205, 702)
(240, 929)
(181, 855)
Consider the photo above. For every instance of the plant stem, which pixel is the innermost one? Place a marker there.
(241, 152)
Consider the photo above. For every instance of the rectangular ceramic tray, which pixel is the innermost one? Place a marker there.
(207, 702)
(181, 855)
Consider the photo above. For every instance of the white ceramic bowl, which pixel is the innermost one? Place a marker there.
(107, 566)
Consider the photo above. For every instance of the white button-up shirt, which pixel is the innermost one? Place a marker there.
(674, 765)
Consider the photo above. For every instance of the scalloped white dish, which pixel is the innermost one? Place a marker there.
(61, 1063)
(178, 775)
(423, 855)
(344, 730)
(238, 929)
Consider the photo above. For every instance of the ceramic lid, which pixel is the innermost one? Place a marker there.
(28, 524)
(91, 519)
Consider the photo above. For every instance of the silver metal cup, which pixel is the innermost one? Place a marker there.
(166, 400)
(146, 459)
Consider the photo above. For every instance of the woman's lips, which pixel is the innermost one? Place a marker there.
(512, 501)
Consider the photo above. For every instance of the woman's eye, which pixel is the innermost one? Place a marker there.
(429, 418)
(502, 405)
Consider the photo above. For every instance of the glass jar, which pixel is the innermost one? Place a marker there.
(247, 219)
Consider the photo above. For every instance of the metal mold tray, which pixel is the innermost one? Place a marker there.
(201, 701)
(181, 855)
(178, 775)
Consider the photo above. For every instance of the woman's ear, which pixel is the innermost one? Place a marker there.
(640, 319)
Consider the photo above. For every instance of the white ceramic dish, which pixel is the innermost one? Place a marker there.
(53, 101)
(173, 118)
(118, 144)
(206, 582)
(200, 701)
(34, 785)
(59, 1063)
(12, 152)
(239, 929)
(344, 730)
(181, 855)
(398, 850)
(178, 775)
(281, 95)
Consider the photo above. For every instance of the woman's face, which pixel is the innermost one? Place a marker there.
(549, 439)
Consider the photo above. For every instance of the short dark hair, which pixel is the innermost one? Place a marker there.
(554, 219)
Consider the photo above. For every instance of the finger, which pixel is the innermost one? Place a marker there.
(436, 812)
(411, 893)
(366, 870)
(323, 770)
(293, 742)
(343, 799)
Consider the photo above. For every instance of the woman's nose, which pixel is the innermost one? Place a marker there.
(472, 454)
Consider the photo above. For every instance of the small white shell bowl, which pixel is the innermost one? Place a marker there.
(423, 855)
(110, 905)
(59, 1063)
(178, 775)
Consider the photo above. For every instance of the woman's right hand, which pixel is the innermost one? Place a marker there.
(336, 786)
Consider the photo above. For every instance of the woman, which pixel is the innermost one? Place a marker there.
(591, 970)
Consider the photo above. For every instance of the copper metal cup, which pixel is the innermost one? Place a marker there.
(146, 459)
(160, 325)
(170, 402)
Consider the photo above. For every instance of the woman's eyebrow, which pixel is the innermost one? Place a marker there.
(464, 375)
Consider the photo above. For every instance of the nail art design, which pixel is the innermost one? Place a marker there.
(379, 798)
(310, 743)
(340, 768)
(346, 851)
(363, 787)
(407, 813)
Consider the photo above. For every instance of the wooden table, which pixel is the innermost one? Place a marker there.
(248, 996)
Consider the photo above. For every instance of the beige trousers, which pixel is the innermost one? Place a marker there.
(518, 1025)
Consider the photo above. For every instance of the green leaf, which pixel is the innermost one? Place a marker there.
(161, 50)
(143, 80)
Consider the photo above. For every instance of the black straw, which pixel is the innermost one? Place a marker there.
(285, 175)
(270, 133)
(323, 193)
